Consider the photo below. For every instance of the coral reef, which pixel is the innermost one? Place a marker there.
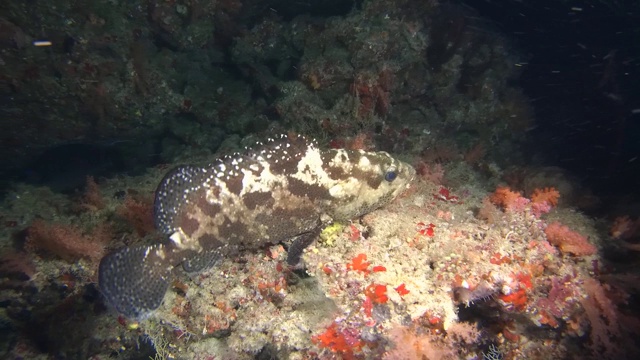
(483, 257)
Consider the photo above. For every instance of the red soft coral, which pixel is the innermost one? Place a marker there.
(338, 341)
(359, 263)
(507, 199)
(377, 293)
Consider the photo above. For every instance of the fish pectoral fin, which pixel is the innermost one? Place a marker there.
(297, 244)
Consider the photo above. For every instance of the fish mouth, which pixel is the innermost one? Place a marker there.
(411, 172)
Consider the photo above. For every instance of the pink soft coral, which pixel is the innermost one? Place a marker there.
(568, 240)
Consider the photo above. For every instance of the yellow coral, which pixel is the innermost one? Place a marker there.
(330, 233)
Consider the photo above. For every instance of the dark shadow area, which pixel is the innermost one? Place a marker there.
(581, 75)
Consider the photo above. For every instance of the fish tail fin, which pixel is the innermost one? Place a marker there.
(135, 279)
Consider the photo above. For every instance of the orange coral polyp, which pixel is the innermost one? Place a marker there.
(504, 197)
(402, 290)
(524, 280)
(517, 298)
(377, 293)
(359, 263)
(549, 195)
(334, 340)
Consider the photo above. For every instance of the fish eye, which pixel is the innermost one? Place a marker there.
(391, 174)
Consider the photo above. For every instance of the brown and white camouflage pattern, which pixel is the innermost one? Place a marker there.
(286, 189)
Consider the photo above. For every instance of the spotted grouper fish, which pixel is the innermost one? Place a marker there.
(283, 191)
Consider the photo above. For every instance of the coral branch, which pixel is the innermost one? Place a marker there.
(92, 198)
(67, 241)
(139, 214)
(507, 199)
(13, 263)
(549, 195)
